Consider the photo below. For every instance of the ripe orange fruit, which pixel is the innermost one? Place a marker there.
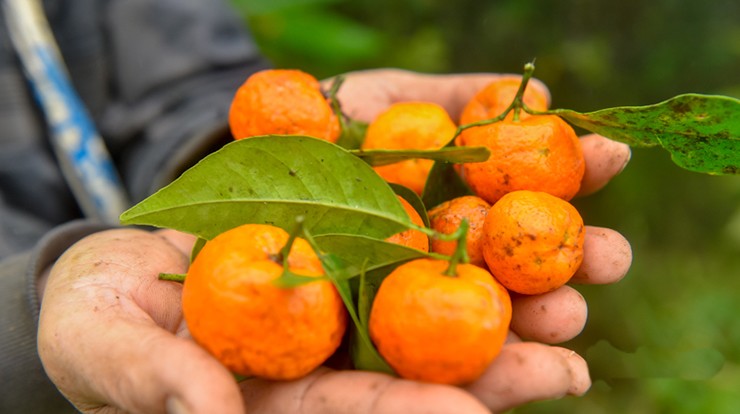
(236, 312)
(494, 98)
(446, 218)
(539, 153)
(409, 125)
(533, 241)
(411, 238)
(437, 328)
(282, 101)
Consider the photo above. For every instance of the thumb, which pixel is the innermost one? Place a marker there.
(176, 376)
(135, 366)
(106, 332)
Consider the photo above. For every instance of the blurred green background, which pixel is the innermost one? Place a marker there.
(666, 339)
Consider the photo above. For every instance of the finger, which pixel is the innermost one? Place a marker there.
(605, 159)
(357, 392)
(512, 337)
(580, 378)
(365, 94)
(551, 318)
(159, 372)
(607, 257)
(106, 331)
(526, 372)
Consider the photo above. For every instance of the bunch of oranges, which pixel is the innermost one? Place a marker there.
(523, 236)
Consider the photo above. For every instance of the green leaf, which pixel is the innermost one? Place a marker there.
(443, 183)
(701, 132)
(197, 247)
(272, 180)
(372, 260)
(363, 353)
(449, 154)
(357, 253)
(346, 254)
(413, 199)
(289, 279)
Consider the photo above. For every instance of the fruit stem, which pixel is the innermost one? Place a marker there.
(334, 102)
(173, 277)
(518, 101)
(289, 279)
(461, 251)
(282, 256)
(516, 105)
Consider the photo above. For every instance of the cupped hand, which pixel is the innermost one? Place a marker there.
(112, 336)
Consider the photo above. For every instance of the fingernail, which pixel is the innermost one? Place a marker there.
(174, 405)
(626, 160)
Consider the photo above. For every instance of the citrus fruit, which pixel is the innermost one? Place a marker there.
(437, 328)
(539, 153)
(411, 237)
(495, 98)
(235, 311)
(533, 241)
(282, 101)
(446, 218)
(409, 125)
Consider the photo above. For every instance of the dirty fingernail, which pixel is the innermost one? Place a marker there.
(175, 405)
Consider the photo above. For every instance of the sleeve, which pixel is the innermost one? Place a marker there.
(26, 388)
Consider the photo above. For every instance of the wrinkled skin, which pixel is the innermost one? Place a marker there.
(113, 340)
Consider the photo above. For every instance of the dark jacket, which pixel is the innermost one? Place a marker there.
(157, 78)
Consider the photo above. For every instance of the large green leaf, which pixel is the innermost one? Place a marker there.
(272, 180)
(702, 132)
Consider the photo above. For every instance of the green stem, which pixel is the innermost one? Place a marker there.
(282, 256)
(287, 278)
(516, 105)
(173, 277)
(334, 102)
(461, 251)
(518, 101)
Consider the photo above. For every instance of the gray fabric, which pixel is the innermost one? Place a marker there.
(157, 77)
(26, 389)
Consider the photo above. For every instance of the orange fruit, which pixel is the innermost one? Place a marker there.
(234, 309)
(437, 328)
(539, 153)
(494, 98)
(533, 241)
(409, 125)
(282, 101)
(411, 237)
(446, 218)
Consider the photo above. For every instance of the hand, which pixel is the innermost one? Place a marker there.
(112, 338)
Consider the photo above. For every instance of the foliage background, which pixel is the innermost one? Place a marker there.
(666, 339)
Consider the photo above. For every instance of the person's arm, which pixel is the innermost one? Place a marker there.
(158, 77)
